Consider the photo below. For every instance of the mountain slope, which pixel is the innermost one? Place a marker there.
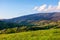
(36, 17)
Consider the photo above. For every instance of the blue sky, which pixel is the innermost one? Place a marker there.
(15, 8)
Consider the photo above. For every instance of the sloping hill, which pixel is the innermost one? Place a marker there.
(36, 17)
(52, 34)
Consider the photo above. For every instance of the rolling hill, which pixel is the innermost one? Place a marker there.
(35, 17)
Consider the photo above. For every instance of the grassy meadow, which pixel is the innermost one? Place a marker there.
(50, 34)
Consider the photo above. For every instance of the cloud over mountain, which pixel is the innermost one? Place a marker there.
(46, 8)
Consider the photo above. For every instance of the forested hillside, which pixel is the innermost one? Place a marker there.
(38, 25)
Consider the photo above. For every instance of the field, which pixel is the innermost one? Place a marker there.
(51, 34)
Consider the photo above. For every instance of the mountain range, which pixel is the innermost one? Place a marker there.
(35, 17)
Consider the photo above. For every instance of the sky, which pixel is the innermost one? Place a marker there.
(16, 8)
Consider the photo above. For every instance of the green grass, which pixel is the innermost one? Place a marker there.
(51, 34)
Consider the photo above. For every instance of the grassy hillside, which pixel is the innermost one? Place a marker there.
(39, 30)
(38, 25)
(50, 34)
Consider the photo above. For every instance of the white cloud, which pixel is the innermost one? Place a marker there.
(58, 7)
(35, 8)
(41, 8)
(50, 8)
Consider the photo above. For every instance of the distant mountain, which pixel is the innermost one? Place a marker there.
(35, 17)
